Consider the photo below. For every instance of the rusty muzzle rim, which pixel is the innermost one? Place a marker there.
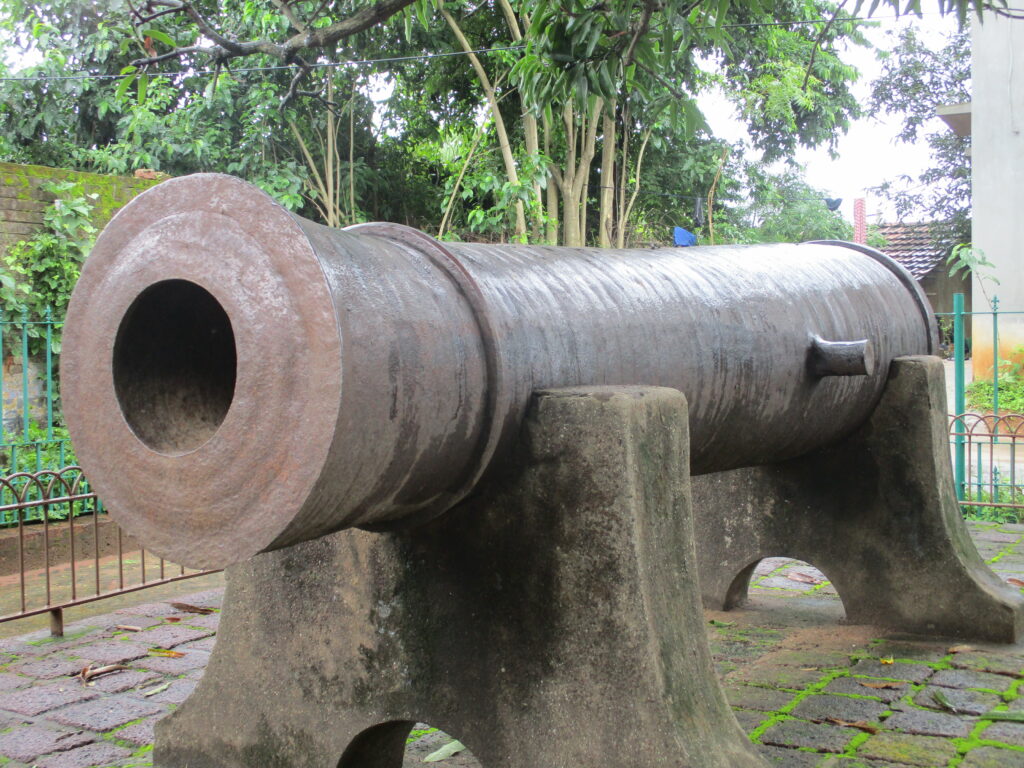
(202, 353)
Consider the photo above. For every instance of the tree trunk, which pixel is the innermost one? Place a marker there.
(499, 124)
(606, 218)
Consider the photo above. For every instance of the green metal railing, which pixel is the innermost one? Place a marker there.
(32, 436)
(986, 445)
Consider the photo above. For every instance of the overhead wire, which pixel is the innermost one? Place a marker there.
(398, 59)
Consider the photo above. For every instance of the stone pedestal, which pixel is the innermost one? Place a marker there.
(551, 622)
(877, 513)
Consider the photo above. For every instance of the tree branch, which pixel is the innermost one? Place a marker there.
(225, 48)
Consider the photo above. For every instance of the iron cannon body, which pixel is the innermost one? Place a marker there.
(238, 379)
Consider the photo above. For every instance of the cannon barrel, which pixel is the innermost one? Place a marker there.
(239, 379)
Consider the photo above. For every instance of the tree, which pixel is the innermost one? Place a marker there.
(916, 79)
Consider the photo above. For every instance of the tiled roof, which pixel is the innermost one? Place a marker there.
(912, 246)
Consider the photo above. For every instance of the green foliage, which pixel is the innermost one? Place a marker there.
(45, 267)
(39, 450)
(916, 79)
(980, 393)
(785, 209)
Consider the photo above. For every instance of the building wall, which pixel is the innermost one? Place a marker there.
(997, 160)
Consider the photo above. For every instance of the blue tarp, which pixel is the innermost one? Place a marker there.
(684, 237)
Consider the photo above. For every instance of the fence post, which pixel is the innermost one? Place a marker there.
(995, 364)
(959, 406)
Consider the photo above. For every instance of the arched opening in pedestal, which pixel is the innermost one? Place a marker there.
(406, 744)
(784, 582)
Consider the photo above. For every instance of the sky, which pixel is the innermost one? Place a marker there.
(869, 153)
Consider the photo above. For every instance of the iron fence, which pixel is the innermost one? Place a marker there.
(48, 564)
(986, 443)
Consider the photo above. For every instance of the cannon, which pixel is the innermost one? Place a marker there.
(368, 377)
(417, 451)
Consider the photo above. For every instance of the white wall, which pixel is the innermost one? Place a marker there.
(997, 160)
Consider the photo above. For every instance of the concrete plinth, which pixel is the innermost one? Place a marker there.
(877, 513)
(551, 622)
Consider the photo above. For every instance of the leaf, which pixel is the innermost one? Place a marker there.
(188, 608)
(803, 578)
(1008, 717)
(125, 84)
(449, 749)
(885, 685)
(943, 703)
(717, 623)
(128, 628)
(866, 727)
(143, 85)
(886, 660)
(163, 37)
(959, 648)
(158, 689)
(1015, 582)
(166, 652)
(172, 619)
(89, 672)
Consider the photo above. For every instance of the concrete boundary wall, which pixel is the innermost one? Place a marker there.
(23, 200)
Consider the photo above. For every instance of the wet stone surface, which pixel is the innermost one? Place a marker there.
(809, 689)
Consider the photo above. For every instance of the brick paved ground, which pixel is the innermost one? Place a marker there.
(809, 690)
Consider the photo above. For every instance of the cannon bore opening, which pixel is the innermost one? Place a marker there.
(174, 366)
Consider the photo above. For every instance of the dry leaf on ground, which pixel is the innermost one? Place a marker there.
(188, 608)
(803, 578)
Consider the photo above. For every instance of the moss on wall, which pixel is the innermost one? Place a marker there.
(23, 201)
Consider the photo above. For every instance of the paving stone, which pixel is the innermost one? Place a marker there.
(902, 748)
(912, 650)
(123, 619)
(836, 761)
(97, 754)
(993, 757)
(748, 719)
(48, 668)
(206, 644)
(811, 659)
(124, 680)
(175, 693)
(926, 723)
(170, 635)
(968, 678)
(1008, 664)
(42, 698)
(208, 598)
(140, 733)
(110, 652)
(821, 706)
(175, 666)
(1007, 733)
(965, 702)
(431, 742)
(9, 682)
(914, 673)
(777, 581)
(30, 741)
(776, 676)
(754, 697)
(996, 536)
(855, 686)
(107, 713)
(790, 758)
(209, 621)
(799, 733)
(153, 610)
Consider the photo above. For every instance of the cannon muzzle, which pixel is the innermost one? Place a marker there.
(238, 379)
